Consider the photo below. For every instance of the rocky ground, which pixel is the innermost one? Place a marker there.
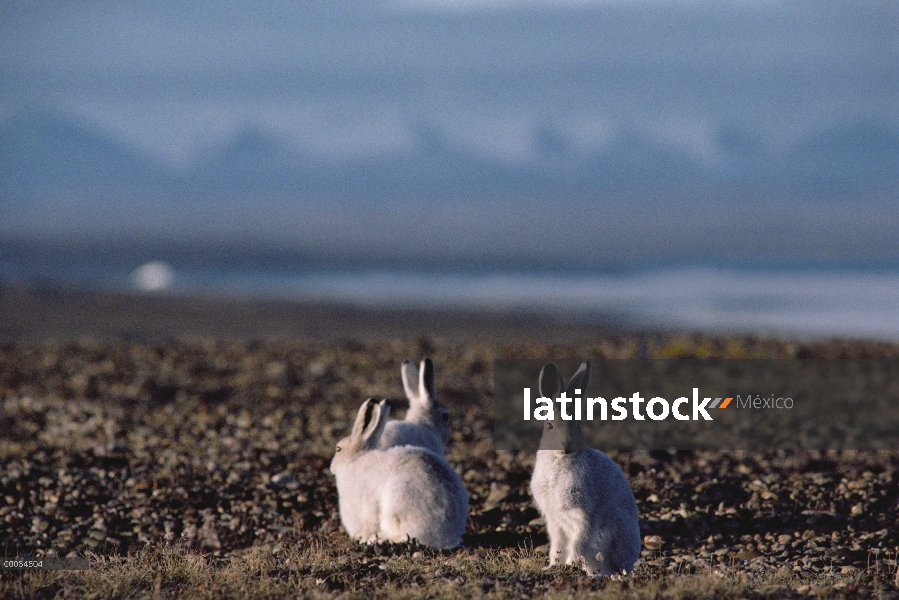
(179, 466)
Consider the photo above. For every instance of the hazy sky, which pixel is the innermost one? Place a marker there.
(350, 78)
(611, 90)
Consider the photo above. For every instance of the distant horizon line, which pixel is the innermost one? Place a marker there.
(254, 254)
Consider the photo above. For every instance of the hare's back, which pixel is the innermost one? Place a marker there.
(417, 465)
(422, 477)
(587, 480)
(600, 468)
(614, 509)
(403, 433)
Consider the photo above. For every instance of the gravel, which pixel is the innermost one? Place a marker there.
(220, 446)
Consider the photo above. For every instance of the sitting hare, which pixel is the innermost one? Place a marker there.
(397, 494)
(427, 421)
(591, 515)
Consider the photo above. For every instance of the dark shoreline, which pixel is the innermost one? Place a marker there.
(60, 313)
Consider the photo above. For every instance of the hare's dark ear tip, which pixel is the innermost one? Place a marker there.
(408, 362)
(427, 373)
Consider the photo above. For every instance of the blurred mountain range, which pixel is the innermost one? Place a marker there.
(47, 153)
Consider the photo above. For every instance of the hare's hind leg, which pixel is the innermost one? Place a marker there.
(589, 551)
(587, 557)
(393, 528)
(558, 542)
(391, 523)
(403, 519)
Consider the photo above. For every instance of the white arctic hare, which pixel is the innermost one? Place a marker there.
(591, 515)
(427, 422)
(396, 494)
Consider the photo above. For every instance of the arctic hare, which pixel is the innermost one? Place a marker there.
(427, 421)
(396, 494)
(591, 515)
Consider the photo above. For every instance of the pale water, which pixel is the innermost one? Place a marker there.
(803, 301)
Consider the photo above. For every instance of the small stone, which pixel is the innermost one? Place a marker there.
(653, 542)
(281, 479)
(39, 525)
(498, 493)
(747, 554)
(208, 536)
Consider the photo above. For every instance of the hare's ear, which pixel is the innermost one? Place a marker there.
(580, 380)
(410, 379)
(426, 382)
(551, 382)
(370, 422)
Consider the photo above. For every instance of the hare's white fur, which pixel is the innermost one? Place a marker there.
(427, 422)
(396, 494)
(589, 507)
